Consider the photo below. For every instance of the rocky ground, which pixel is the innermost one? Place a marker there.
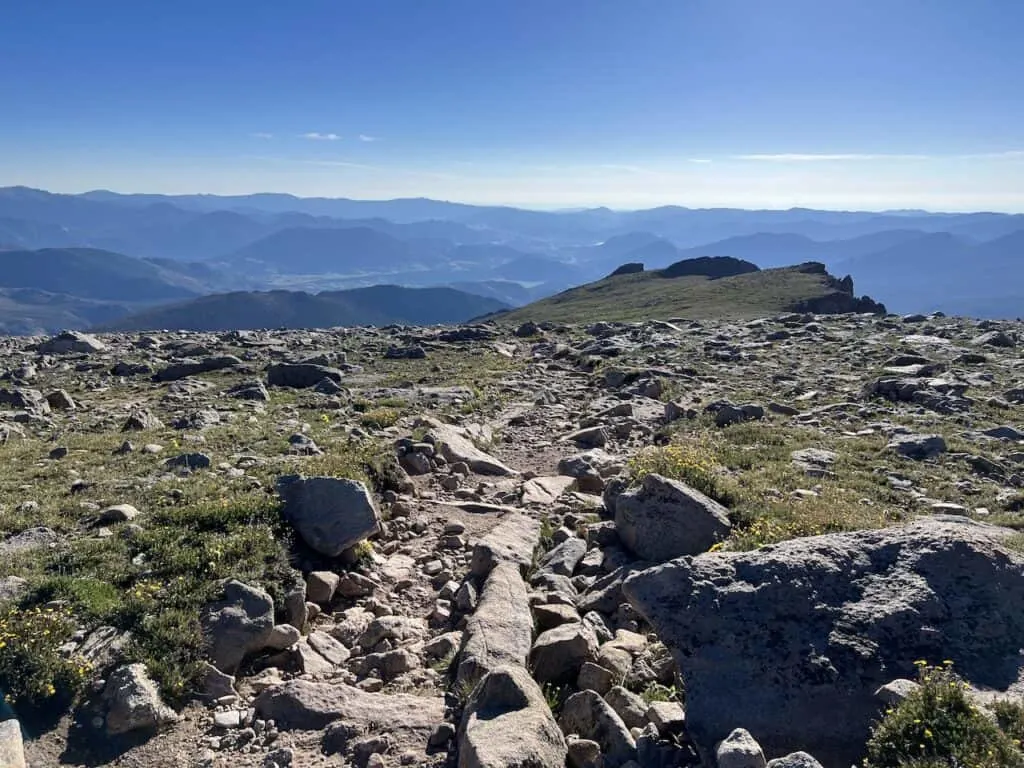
(652, 544)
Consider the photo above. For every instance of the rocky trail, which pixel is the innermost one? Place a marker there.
(650, 544)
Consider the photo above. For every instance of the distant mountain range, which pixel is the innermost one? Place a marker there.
(169, 247)
(379, 305)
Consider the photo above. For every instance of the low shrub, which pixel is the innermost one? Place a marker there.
(34, 673)
(939, 726)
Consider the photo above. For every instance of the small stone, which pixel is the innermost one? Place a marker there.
(228, 719)
(321, 586)
(283, 636)
(119, 513)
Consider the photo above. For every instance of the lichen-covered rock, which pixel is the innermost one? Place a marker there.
(847, 613)
(241, 622)
(133, 701)
(507, 724)
(331, 514)
(664, 519)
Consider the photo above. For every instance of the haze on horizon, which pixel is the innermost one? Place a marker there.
(851, 104)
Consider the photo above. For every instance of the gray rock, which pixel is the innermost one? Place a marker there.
(310, 706)
(12, 748)
(734, 414)
(550, 615)
(510, 541)
(240, 623)
(588, 715)
(995, 339)
(500, 632)
(455, 445)
(283, 636)
(140, 420)
(545, 490)
(328, 647)
(814, 462)
(300, 375)
(214, 684)
(563, 559)
(847, 612)
(118, 513)
(405, 353)
(60, 400)
(627, 705)
(133, 701)
(177, 371)
(399, 629)
(795, 760)
(589, 437)
(594, 677)
(12, 588)
(32, 538)
(321, 586)
(190, 461)
(331, 514)
(559, 653)
(507, 724)
(667, 716)
(918, 447)
(895, 691)
(249, 390)
(67, 342)
(664, 519)
(740, 750)
(584, 753)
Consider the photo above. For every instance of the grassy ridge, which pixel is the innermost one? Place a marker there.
(647, 295)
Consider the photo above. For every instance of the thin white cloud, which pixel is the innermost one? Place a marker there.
(314, 136)
(364, 137)
(801, 157)
(262, 135)
(1010, 154)
(699, 160)
(340, 164)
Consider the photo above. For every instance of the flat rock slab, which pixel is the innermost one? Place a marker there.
(500, 631)
(510, 541)
(847, 613)
(456, 445)
(508, 724)
(308, 706)
(546, 490)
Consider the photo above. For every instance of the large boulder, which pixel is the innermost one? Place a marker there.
(300, 375)
(180, 370)
(71, 342)
(331, 514)
(793, 640)
(456, 445)
(133, 701)
(500, 631)
(664, 518)
(241, 622)
(918, 447)
(507, 724)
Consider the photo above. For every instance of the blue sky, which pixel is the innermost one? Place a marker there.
(549, 103)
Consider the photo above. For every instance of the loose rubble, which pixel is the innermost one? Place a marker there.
(652, 544)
